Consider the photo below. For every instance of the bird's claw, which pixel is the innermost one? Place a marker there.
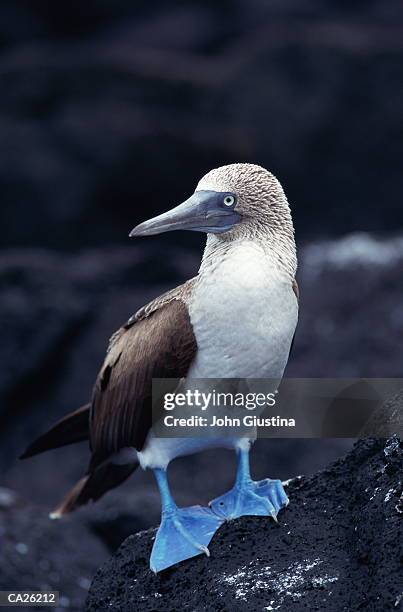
(183, 533)
(249, 498)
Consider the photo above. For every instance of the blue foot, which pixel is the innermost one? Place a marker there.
(250, 498)
(183, 533)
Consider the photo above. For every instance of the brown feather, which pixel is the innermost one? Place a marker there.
(295, 288)
(90, 488)
(74, 427)
(159, 344)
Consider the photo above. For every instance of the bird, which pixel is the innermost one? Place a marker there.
(235, 319)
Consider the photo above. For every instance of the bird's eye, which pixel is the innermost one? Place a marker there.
(229, 200)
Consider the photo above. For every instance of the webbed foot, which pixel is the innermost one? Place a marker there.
(183, 533)
(251, 498)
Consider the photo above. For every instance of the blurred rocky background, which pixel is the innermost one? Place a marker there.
(109, 113)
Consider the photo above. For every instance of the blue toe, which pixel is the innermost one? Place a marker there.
(274, 491)
(183, 534)
(261, 498)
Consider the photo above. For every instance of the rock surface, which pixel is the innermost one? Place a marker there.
(337, 547)
(37, 554)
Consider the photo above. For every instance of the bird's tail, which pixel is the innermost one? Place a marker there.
(74, 427)
(90, 488)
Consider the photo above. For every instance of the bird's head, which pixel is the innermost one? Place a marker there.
(238, 200)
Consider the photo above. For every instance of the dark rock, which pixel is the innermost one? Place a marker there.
(39, 554)
(337, 547)
(387, 419)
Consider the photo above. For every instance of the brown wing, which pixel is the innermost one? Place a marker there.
(295, 288)
(156, 344)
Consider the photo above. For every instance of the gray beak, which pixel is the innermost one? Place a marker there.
(204, 211)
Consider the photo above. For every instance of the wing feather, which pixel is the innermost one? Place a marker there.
(158, 343)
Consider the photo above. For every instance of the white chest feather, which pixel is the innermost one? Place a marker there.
(244, 313)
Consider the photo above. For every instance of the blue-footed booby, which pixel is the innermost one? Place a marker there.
(235, 319)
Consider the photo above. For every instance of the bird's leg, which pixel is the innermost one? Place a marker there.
(248, 497)
(183, 532)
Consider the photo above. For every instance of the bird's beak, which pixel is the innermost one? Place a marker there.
(204, 211)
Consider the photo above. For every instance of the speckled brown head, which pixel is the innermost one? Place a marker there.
(259, 197)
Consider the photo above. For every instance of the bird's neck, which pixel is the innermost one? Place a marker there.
(280, 250)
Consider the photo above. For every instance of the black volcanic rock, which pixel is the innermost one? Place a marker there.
(337, 547)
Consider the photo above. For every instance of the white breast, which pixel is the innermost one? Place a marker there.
(244, 313)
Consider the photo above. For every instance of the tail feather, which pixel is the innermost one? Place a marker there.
(90, 488)
(74, 427)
